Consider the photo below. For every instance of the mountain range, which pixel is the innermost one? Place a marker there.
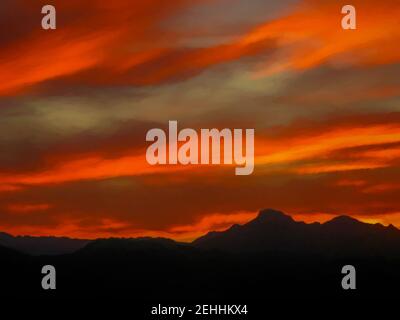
(274, 231)
(42, 245)
(272, 256)
(271, 231)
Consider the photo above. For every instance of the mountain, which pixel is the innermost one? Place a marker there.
(133, 246)
(271, 231)
(275, 232)
(272, 256)
(42, 245)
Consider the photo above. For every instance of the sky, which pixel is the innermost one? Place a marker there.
(76, 103)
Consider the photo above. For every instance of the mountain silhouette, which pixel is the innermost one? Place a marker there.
(132, 246)
(271, 231)
(272, 256)
(274, 231)
(42, 245)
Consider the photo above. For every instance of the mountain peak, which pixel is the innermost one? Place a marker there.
(271, 215)
(343, 220)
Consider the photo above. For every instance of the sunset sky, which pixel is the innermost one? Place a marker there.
(76, 103)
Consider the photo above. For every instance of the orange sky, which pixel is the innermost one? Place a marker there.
(76, 104)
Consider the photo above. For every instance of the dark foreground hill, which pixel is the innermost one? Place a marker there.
(270, 257)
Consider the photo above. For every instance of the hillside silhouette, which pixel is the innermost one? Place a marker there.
(272, 256)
